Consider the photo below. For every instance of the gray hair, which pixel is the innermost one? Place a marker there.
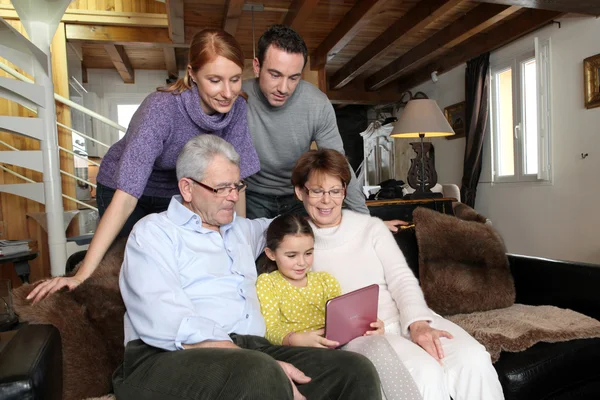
(199, 152)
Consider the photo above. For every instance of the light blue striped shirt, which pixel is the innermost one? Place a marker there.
(185, 284)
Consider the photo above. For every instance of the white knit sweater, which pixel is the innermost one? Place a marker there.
(362, 251)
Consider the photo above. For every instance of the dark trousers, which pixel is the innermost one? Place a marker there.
(250, 373)
(146, 205)
(265, 206)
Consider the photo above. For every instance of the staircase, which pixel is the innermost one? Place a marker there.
(40, 19)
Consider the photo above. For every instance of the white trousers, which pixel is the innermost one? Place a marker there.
(466, 374)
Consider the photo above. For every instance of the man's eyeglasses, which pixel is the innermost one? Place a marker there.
(337, 193)
(224, 191)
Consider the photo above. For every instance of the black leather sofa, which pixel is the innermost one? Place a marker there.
(30, 364)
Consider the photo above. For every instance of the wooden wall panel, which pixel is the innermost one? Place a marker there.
(142, 6)
(60, 77)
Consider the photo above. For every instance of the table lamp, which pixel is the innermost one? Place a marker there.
(422, 118)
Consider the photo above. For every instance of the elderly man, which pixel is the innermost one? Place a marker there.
(193, 327)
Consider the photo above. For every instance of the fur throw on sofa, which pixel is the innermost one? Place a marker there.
(520, 326)
(462, 264)
(90, 321)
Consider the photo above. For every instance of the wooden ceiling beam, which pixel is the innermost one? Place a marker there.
(347, 96)
(110, 18)
(121, 62)
(417, 18)
(123, 35)
(354, 20)
(171, 62)
(354, 93)
(591, 7)
(175, 17)
(299, 12)
(233, 13)
(481, 17)
(503, 34)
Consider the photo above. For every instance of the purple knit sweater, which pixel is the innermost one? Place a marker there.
(143, 161)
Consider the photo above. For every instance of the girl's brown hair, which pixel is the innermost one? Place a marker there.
(286, 224)
(207, 45)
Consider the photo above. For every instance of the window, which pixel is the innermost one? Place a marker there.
(124, 114)
(520, 116)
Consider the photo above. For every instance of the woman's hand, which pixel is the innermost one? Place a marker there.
(394, 223)
(310, 339)
(120, 208)
(49, 286)
(379, 328)
(428, 338)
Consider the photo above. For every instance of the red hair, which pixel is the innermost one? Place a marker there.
(205, 47)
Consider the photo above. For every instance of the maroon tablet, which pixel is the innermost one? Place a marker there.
(350, 315)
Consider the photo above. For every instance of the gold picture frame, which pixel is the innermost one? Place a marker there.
(591, 81)
(455, 114)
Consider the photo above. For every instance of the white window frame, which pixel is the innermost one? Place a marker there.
(541, 53)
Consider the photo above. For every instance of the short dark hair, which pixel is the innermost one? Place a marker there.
(280, 227)
(282, 37)
(323, 161)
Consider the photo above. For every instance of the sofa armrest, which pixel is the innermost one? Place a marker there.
(31, 364)
(564, 284)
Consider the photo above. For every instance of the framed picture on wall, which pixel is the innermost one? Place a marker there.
(591, 81)
(455, 114)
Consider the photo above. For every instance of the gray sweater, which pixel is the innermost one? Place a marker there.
(282, 134)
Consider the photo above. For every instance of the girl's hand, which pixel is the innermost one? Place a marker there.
(428, 338)
(379, 328)
(311, 339)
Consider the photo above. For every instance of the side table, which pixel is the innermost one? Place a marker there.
(21, 263)
(403, 209)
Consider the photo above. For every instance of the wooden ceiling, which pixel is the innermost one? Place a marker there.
(369, 50)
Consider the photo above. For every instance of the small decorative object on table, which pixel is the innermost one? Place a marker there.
(455, 114)
(591, 81)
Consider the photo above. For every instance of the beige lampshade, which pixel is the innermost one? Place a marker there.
(422, 116)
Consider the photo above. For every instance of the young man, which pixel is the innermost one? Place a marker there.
(285, 115)
(193, 327)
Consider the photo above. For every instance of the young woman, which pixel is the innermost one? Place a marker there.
(137, 175)
(292, 301)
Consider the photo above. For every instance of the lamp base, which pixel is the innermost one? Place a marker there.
(422, 195)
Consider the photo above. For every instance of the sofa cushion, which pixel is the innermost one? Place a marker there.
(462, 264)
(90, 321)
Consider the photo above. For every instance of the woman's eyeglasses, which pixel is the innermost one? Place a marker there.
(337, 193)
(224, 191)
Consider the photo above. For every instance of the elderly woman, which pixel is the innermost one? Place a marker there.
(359, 250)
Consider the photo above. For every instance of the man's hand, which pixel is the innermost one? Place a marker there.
(311, 339)
(379, 328)
(294, 375)
(215, 344)
(428, 338)
(394, 223)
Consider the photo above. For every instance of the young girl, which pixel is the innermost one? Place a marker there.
(292, 301)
